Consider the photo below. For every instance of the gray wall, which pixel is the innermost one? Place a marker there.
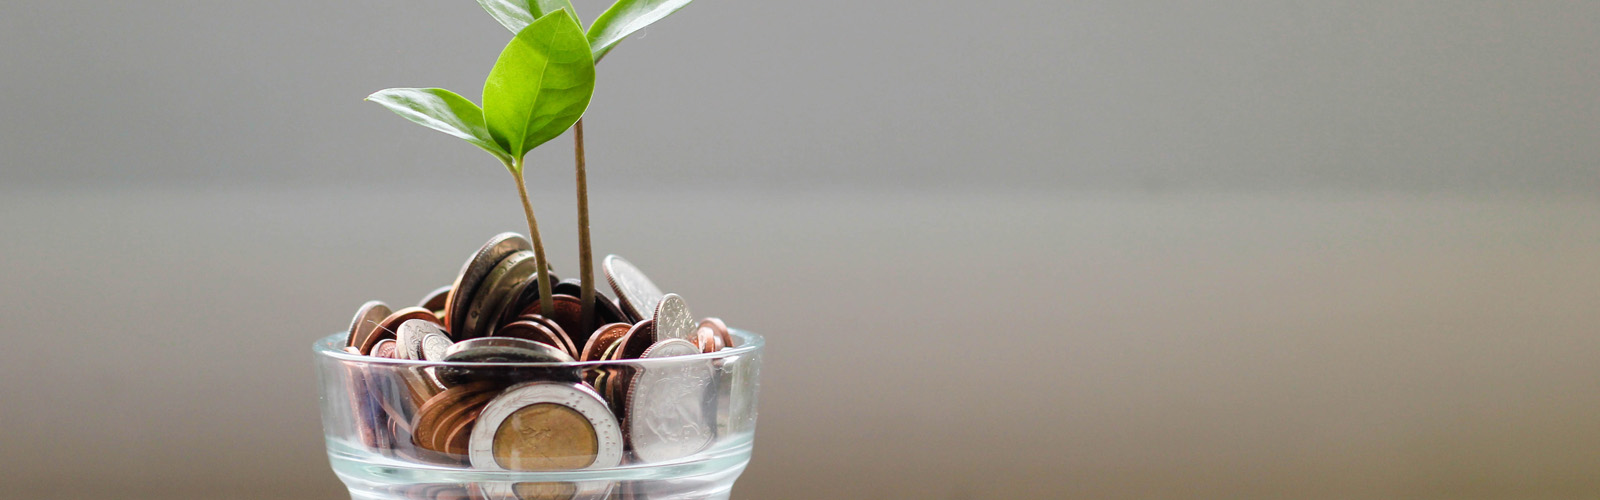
(1414, 95)
(1003, 249)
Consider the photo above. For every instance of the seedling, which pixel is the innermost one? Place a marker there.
(623, 18)
(539, 87)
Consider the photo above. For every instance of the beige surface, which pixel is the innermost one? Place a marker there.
(923, 344)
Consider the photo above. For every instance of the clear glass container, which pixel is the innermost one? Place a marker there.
(657, 427)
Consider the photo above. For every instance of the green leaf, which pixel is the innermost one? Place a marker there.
(540, 85)
(624, 18)
(518, 14)
(441, 110)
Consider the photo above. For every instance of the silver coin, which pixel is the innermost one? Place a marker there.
(510, 276)
(504, 350)
(668, 414)
(638, 295)
(473, 272)
(366, 320)
(413, 334)
(673, 319)
(576, 396)
(434, 347)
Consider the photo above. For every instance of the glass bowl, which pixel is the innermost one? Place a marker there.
(656, 427)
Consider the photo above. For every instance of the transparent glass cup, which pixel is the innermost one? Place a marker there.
(665, 427)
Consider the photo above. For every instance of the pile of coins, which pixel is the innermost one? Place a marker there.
(542, 413)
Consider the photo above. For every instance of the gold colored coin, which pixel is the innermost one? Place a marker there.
(545, 436)
(545, 491)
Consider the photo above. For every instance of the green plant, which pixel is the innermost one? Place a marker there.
(623, 18)
(539, 87)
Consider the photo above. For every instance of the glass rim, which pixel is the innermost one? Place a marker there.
(332, 347)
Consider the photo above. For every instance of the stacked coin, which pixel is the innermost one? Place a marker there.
(507, 395)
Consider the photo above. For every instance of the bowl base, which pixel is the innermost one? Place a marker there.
(710, 477)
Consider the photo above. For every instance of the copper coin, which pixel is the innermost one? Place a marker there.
(498, 288)
(450, 418)
(367, 318)
(630, 346)
(531, 330)
(603, 338)
(673, 319)
(559, 332)
(638, 339)
(394, 395)
(388, 328)
(386, 349)
(568, 312)
(363, 408)
(419, 383)
(428, 415)
(436, 300)
(637, 295)
(461, 434)
(472, 274)
(713, 335)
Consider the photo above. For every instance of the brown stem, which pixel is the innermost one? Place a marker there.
(546, 306)
(585, 252)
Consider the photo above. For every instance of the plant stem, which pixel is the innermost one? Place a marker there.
(546, 306)
(585, 252)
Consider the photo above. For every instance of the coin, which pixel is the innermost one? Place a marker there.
(673, 320)
(420, 383)
(637, 294)
(563, 340)
(666, 414)
(390, 326)
(531, 330)
(570, 286)
(434, 347)
(385, 349)
(606, 310)
(566, 311)
(365, 416)
(436, 300)
(412, 335)
(603, 337)
(555, 490)
(394, 394)
(504, 350)
(638, 339)
(461, 433)
(617, 377)
(367, 318)
(458, 417)
(713, 335)
(426, 427)
(546, 426)
(473, 272)
(507, 278)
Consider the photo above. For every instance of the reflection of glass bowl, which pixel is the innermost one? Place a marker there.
(394, 430)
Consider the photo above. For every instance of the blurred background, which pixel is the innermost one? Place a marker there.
(1010, 249)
